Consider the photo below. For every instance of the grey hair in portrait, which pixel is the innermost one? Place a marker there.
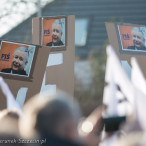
(58, 22)
(24, 49)
(139, 30)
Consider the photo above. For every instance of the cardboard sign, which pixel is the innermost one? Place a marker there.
(131, 38)
(53, 31)
(16, 59)
(124, 54)
(60, 74)
(32, 86)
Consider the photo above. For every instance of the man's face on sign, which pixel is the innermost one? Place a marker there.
(138, 39)
(19, 60)
(56, 33)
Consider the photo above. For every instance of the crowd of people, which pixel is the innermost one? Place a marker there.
(55, 119)
(51, 120)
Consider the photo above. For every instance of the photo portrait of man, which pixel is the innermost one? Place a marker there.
(19, 61)
(138, 39)
(56, 34)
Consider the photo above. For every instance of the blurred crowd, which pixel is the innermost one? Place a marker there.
(47, 119)
(55, 119)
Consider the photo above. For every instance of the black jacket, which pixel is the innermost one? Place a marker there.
(60, 43)
(9, 70)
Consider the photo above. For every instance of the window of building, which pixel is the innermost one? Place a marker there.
(81, 30)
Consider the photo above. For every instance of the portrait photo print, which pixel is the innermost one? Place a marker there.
(132, 37)
(16, 58)
(53, 31)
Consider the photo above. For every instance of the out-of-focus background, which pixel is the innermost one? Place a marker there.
(90, 34)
